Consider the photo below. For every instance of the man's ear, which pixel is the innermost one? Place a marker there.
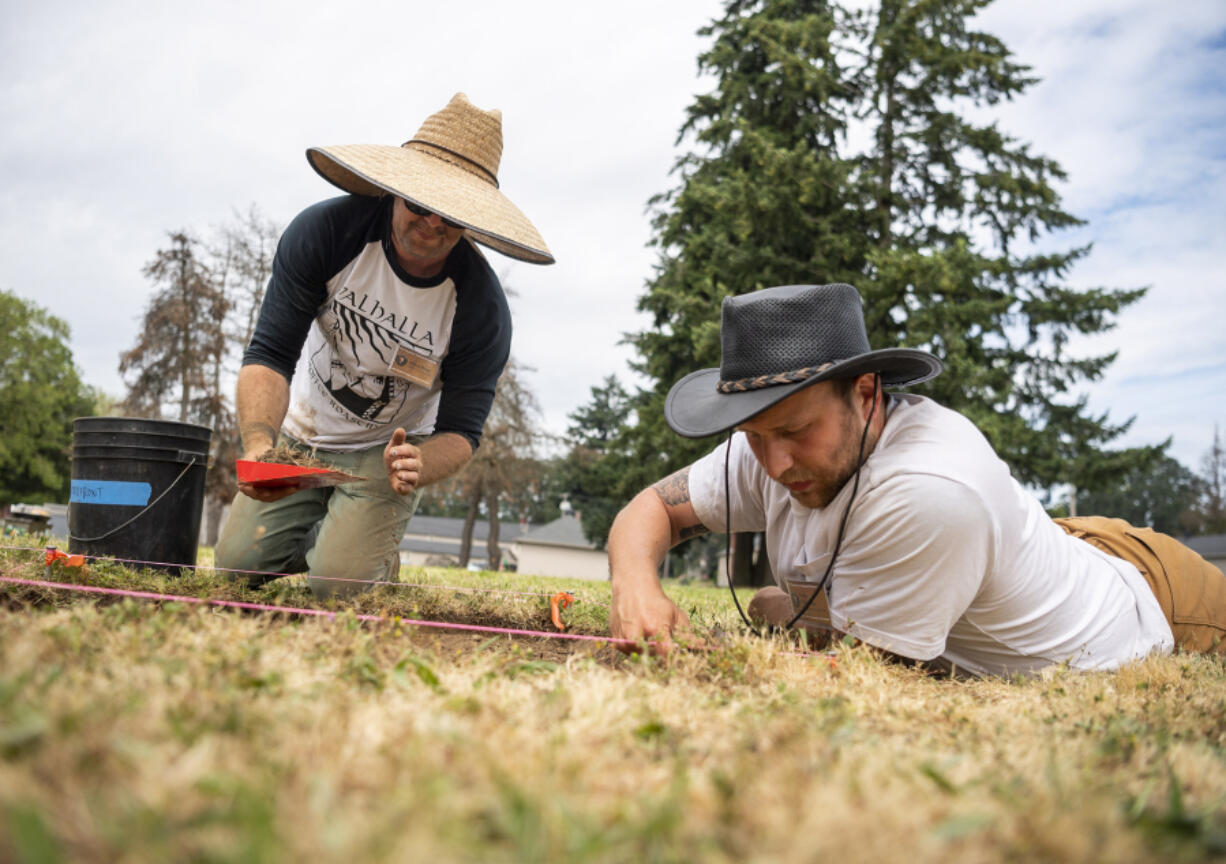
(865, 390)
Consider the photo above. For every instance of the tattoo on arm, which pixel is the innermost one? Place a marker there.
(674, 489)
(253, 430)
(694, 530)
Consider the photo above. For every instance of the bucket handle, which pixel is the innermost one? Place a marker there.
(143, 511)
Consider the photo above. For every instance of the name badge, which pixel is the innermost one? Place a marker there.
(413, 367)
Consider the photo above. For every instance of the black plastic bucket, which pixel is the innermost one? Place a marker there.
(137, 489)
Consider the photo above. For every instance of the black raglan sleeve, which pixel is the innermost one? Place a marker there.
(316, 245)
(480, 347)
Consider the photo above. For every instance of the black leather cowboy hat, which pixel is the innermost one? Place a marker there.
(777, 341)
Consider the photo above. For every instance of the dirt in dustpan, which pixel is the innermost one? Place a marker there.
(287, 466)
(283, 454)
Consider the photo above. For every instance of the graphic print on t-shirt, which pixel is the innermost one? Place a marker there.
(336, 364)
(357, 338)
(349, 390)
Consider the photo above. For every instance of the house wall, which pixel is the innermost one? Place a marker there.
(541, 560)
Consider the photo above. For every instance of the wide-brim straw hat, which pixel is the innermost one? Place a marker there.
(777, 341)
(449, 167)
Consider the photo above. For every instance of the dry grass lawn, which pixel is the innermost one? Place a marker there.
(134, 732)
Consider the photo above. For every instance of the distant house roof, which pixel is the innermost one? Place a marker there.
(441, 536)
(1207, 545)
(566, 530)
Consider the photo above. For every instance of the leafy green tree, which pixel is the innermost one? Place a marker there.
(956, 206)
(592, 473)
(1163, 496)
(765, 198)
(845, 144)
(41, 392)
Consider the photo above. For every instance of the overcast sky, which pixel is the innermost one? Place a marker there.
(125, 120)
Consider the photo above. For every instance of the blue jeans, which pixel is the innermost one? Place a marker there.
(344, 537)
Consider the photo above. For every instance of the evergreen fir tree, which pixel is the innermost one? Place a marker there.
(592, 472)
(843, 145)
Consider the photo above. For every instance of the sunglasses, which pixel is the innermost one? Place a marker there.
(422, 211)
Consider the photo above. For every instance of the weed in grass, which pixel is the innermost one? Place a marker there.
(364, 670)
(937, 776)
(957, 827)
(651, 731)
(1175, 830)
(27, 836)
(422, 670)
(23, 731)
(464, 705)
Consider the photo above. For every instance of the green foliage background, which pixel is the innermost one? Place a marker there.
(41, 392)
(847, 144)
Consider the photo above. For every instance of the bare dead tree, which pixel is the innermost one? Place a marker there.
(242, 251)
(1213, 475)
(181, 338)
(506, 458)
(197, 324)
(240, 257)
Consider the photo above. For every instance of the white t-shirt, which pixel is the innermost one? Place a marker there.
(944, 555)
(346, 393)
(367, 345)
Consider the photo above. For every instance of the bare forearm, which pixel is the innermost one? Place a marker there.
(658, 518)
(639, 539)
(442, 456)
(262, 400)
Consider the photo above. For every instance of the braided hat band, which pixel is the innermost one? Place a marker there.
(813, 332)
(740, 385)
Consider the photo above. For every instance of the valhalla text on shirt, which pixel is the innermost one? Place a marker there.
(376, 311)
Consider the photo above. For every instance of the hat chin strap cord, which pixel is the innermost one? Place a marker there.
(821, 585)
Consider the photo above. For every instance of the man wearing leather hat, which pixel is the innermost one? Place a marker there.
(889, 517)
(393, 330)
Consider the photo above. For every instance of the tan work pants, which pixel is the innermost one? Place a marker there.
(1190, 590)
(345, 537)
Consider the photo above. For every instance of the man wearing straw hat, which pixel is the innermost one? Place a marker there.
(406, 331)
(890, 518)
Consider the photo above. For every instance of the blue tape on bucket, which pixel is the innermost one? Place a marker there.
(115, 492)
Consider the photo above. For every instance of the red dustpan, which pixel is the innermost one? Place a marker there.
(272, 474)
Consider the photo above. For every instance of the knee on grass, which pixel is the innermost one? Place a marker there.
(346, 582)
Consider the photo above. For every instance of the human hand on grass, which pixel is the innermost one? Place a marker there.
(646, 613)
(403, 462)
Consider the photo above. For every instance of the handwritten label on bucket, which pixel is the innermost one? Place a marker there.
(111, 492)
